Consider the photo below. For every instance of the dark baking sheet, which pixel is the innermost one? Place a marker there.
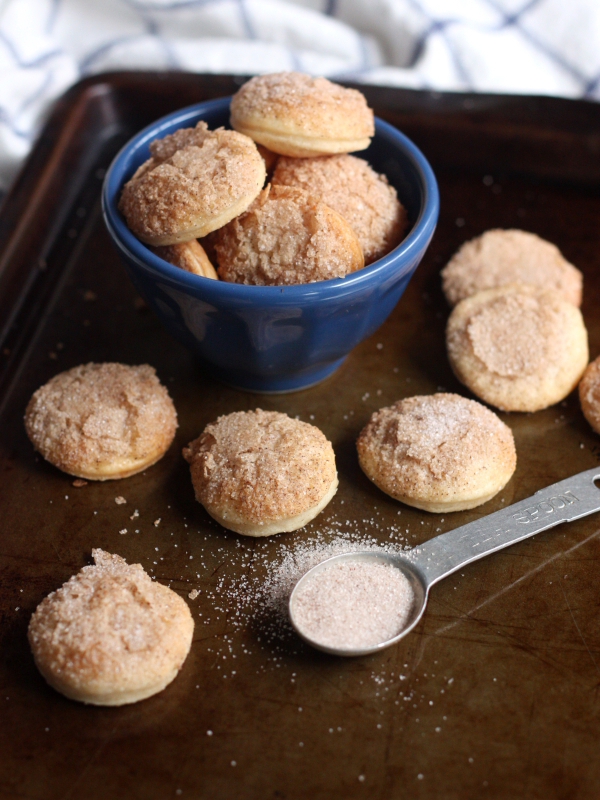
(496, 692)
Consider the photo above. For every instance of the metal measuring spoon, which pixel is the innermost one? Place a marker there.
(431, 561)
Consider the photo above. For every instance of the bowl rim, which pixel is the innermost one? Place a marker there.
(135, 250)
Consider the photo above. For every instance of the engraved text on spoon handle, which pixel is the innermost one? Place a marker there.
(565, 501)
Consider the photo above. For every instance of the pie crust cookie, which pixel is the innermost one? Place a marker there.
(110, 635)
(260, 472)
(102, 421)
(195, 182)
(294, 114)
(518, 348)
(438, 452)
(287, 237)
(499, 257)
(353, 189)
(589, 394)
(190, 256)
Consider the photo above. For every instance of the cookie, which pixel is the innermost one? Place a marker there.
(499, 257)
(439, 452)
(287, 237)
(261, 472)
(353, 189)
(102, 421)
(110, 635)
(189, 256)
(294, 114)
(518, 348)
(589, 394)
(195, 182)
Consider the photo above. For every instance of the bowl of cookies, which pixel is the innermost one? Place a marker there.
(261, 243)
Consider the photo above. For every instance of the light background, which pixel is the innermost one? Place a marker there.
(547, 47)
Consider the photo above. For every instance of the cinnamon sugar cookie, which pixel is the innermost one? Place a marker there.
(589, 394)
(102, 421)
(260, 472)
(518, 347)
(287, 237)
(349, 186)
(440, 452)
(296, 115)
(189, 256)
(195, 182)
(110, 635)
(499, 257)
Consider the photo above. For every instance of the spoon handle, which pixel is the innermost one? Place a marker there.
(564, 501)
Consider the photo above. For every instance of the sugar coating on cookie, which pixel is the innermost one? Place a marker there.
(190, 256)
(499, 257)
(589, 394)
(353, 189)
(287, 237)
(261, 472)
(517, 347)
(102, 421)
(438, 452)
(195, 182)
(294, 114)
(110, 635)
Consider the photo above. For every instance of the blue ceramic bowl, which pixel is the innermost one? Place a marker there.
(276, 338)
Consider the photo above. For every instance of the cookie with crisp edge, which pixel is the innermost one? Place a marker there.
(195, 182)
(190, 256)
(589, 394)
(499, 257)
(517, 347)
(287, 237)
(102, 421)
(352, 188)
(437, 452)
(110, 635)
(294, 114)
(260, 472)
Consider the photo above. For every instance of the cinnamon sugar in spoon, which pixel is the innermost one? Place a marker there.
(359, 603)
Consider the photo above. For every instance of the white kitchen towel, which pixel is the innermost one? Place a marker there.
(516, 46)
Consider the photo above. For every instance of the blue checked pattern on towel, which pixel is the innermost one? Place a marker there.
(516, 46)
